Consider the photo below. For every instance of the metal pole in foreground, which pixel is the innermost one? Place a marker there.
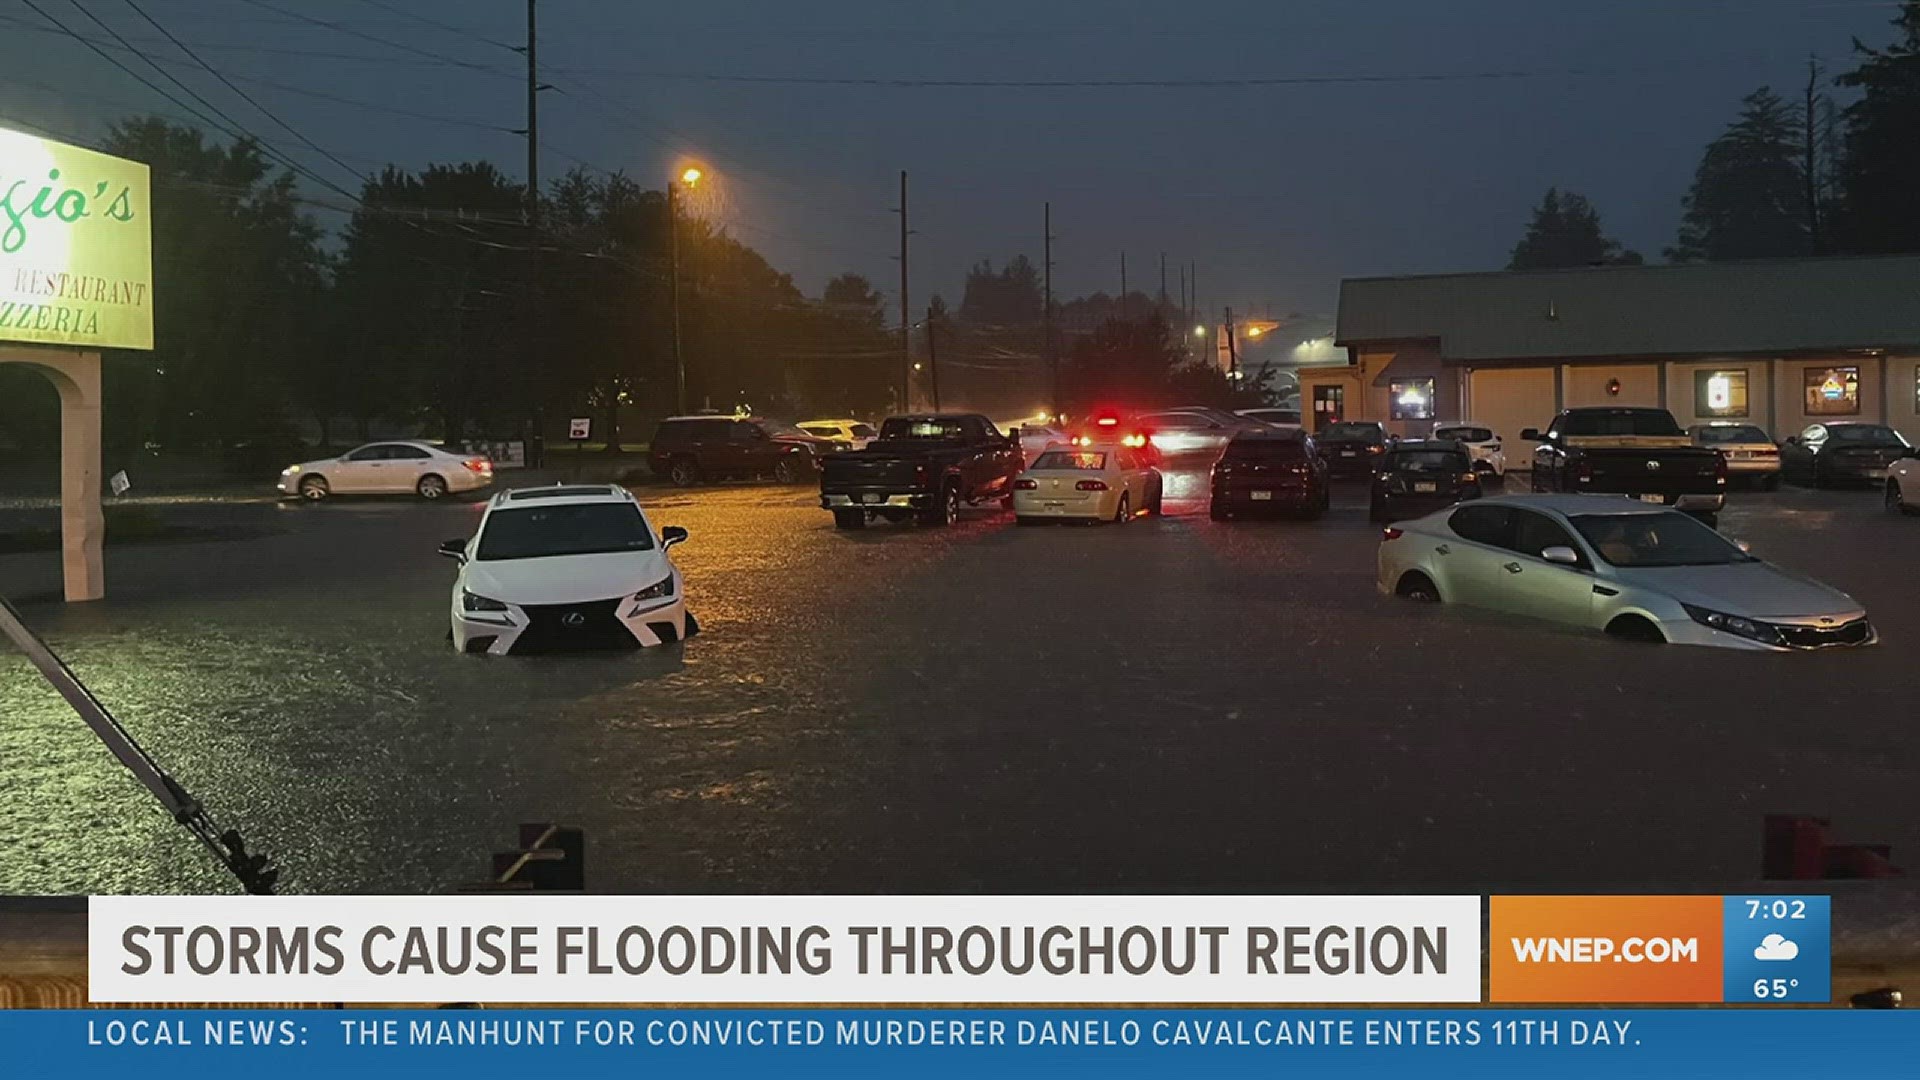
(906, 317)
(933, 362)
(1046, 306)
(253, 871)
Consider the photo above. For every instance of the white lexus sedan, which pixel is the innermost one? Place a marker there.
(1645, 573)
(401, 467)
(564, 568)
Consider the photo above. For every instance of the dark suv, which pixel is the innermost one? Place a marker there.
(1264, 471)
(692, 449)
(1420, 476)
(1352, 447)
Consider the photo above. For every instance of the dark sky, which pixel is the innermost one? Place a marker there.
(1275, 191)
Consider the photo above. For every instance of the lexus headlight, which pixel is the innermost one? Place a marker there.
(658, 590)
(1737, 625)
(289, 470)
(473, 601)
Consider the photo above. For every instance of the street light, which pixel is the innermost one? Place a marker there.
(689, 176)
(1199, 331)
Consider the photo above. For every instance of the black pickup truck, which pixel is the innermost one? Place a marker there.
(1640, 453)
(921, 468)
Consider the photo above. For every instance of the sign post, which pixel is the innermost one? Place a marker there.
(578, 430)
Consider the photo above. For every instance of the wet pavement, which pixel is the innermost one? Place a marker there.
(1177, 705)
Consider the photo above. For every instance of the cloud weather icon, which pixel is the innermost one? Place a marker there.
(1775, 947)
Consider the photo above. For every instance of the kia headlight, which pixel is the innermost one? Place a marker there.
(1737, 625)
(473, 601)
(659, 590)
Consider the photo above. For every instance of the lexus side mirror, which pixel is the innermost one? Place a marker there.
(1562, 554)
(455, 550)
(1531, 434)
(671, 535)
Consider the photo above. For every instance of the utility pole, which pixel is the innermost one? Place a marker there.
(1046, 306)
(1233, 354)
(1163, 277)
(673, 243)
(533, 215)
(1184, 309)
(1123, 284)
(533, 110)
(933, 361)
(1813, 159)
(906, 320)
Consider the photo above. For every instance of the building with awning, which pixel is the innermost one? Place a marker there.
(1777, 343)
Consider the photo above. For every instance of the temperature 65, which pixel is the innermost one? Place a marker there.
(1779, 908)
(1773, 988)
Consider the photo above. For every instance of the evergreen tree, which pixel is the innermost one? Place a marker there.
(1749, 197)
(1879, 210)
(1565, 232)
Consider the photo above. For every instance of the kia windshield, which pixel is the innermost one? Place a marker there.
(1649, 540)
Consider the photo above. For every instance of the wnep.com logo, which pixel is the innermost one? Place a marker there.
(1605, 949)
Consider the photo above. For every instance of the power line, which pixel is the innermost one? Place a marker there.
(362, 35)
(244, 96)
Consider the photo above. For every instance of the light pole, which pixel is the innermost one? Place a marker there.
(688, 176)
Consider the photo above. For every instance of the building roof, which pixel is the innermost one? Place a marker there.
(1766, 307)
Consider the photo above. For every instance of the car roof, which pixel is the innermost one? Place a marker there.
(1069, 448)
(562, 494)
(1438, 424)
(1278, 434)
(706, 416)
(842, 421)
(1428, 444)
(1574, 504)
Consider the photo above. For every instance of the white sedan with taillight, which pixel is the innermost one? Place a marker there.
(1098, 482)
(388, 468)
(1748, 450)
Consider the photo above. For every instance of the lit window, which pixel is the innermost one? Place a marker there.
(1410, 399)
(1833, 391)
(1720, 393)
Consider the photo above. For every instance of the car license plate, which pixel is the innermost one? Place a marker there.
(1261, 496)
(1349, 453)
(1054, 505)
(1659, 499)
(873, 497)
(1426, 486)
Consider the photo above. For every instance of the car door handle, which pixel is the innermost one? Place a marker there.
(1512, 567)
(1443, 550)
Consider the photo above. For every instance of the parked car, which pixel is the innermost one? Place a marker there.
(693, 449)
(567, 567)
(1034, 438)
(1903, 485)
(1266, 471)
(1748, 450)
(843, 434)
(1279, 417)
(1481, 442)
(922, 467)
(1352, 447)
(1637, 452)
(1843, 452)
(1102, 482)
(401, 467)
(1635, 571)
(1419, 476)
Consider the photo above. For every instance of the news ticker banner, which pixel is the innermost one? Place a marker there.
(933, 1043)
(978, 950)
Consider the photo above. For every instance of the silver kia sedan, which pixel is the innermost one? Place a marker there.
(1635, 571)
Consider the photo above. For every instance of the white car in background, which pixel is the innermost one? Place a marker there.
(401, 467)
(1903, 485)
(1280, 417)
(844, 434)
(569, 567)
(1748, 450)
(1640, 572)
(1101, 482)
(1034, 438)
(1482, 443)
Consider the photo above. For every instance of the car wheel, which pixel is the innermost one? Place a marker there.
(683, 472)
(1417, 587)
(431, 486)
(1770, 482)
(948, 512)
(1216, 511)
(849, 519)
(1158, 508)
(1378, 515)
(1635, 628)
(314, 488)
(1124, 512)
(784, 471)
(1896, 499)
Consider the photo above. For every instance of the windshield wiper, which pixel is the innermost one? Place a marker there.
(227, 845)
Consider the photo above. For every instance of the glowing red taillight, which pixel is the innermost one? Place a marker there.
(1024, 485)
(1390, 533)
(1108, 421)
(1090, 485)
(479, 464)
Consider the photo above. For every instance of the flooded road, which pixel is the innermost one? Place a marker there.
(1177, 705)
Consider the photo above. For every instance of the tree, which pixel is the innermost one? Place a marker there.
(853, 298)
(1565, 232)
(1144, 362)
(1749, 197)
(236, 334)
(1878, 210)
(1010, 297)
